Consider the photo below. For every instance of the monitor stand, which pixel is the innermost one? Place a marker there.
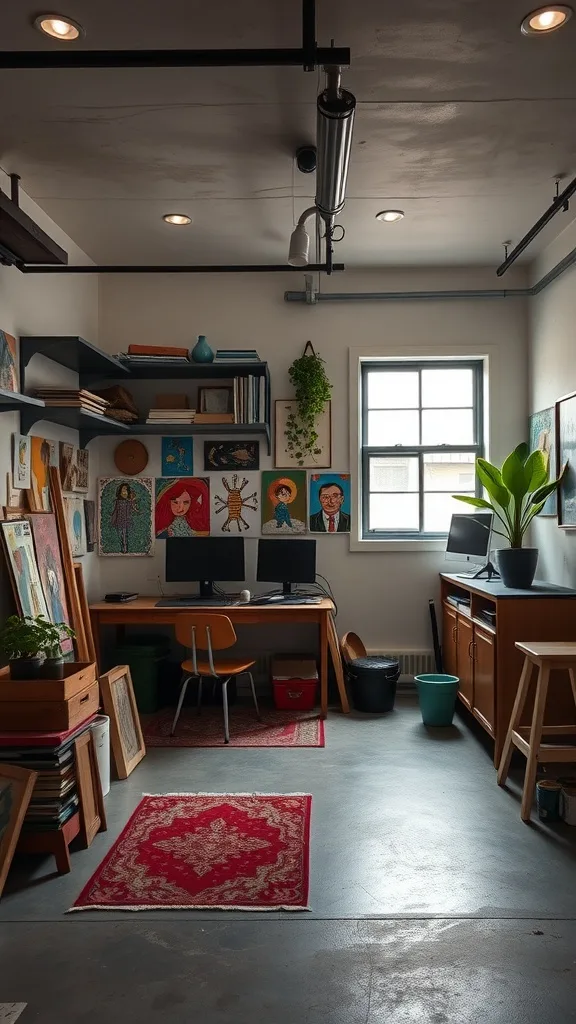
(488, 569)
(287, 590)
(207, 590)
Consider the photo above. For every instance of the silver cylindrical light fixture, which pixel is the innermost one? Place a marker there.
(334, 125)
(298, 255)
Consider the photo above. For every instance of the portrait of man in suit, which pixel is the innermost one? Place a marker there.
(331, 518)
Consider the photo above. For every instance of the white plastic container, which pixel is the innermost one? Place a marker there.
(568, 805)
(101, 734)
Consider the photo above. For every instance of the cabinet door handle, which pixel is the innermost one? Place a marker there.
(470, 646)
(454, 632)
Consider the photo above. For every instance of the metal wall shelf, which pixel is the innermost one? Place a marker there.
(15, 401)
(89, 362)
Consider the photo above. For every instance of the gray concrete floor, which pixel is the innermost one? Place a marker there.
(431, 901)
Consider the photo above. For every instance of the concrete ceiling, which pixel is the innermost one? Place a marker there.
(462, 122)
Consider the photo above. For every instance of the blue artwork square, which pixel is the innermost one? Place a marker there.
(543, 438)
(177, 456)
(329, 503)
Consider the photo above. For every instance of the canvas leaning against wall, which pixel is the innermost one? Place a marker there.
(21, 462)
(284, 503)
(40, 460)
(182, 507)
(125, 523)
(235, 501)
(21, 556)
(76, 524)
(50, 569)
(8, 362)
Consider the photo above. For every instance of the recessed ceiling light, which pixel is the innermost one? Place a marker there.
(59, 27)
(177, 218)
(390, 216)
(546, 19)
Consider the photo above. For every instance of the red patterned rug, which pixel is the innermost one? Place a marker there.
(278, 728)
(207, 851)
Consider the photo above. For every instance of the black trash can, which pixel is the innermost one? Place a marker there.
(373, 683)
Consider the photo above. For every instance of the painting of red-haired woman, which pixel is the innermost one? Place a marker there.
(182, 507)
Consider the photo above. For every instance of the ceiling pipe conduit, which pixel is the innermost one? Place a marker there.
(560, 203)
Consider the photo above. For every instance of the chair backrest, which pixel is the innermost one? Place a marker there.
(352, 647)
(204, 631)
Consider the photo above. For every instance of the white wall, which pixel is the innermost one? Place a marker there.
(382, 596)
(44, 305)
(553, 374)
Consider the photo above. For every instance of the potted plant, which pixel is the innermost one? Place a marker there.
(310, 381)
(33, 647)
(517, 493)
(52, 635)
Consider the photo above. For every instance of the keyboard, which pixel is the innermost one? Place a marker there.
(196, 602)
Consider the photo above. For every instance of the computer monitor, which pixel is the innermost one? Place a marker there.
(469, 539)
(206, 559)
(286, 562)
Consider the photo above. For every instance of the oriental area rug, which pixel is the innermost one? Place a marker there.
(277, 728)
(186, 851)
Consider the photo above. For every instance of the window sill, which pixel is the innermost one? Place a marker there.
(393, 546)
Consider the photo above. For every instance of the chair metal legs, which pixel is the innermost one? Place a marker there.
(199, 698)
(254, 697)
(225, 709)
(183, 689)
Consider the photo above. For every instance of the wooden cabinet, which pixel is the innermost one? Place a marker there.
(478, 643)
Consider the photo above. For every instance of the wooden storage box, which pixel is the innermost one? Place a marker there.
(77, 676)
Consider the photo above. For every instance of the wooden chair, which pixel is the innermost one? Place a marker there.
(528, 739)
(352, 647)
(209, 632)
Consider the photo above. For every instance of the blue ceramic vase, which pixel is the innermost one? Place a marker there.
(202, 353)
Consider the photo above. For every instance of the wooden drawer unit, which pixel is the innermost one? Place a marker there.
(49, 715)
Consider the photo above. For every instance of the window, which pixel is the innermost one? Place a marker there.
(421, 433)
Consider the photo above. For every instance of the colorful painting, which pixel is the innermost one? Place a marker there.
(182, 507)
(235, 503)
(566, 439)
(74, 508)
(17, 536)
(329, 503)
(45, 535)
(285, 456)
(231, 455)
(125, 522)
(67, 465)
(90, 517)
(177, 456)
(543, 437)
(21, 461)
(39, 493)
(16, 785)
(8, 362)
(82, 466)
(284, 503)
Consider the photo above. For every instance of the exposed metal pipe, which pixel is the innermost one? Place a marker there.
(15, 189)
(36, 60)
(264, 268)
(311, 298)
(334, 126)
(560, 203)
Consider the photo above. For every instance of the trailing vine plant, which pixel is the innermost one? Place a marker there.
(312, 391)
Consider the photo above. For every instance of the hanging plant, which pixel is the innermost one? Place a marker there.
(312, 391)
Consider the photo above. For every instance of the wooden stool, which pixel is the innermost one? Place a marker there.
(546, 656)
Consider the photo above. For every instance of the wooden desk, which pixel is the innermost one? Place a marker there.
(144, 612)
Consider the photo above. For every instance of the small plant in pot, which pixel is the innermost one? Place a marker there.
(52, 636)
(33, 647)
(517, 493)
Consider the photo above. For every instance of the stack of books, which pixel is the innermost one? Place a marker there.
(175, 416)
(250, 399)
(148, 355)
(236, 355)
(73, 398)
(55, 795)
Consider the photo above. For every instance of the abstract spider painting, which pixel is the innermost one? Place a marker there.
(235, 501)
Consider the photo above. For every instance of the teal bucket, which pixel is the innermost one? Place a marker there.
(437, 695)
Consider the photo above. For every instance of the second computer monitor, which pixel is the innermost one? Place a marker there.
(286, 562)
(205, 560)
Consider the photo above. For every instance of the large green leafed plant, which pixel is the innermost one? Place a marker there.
(312, 391)
(517, 492)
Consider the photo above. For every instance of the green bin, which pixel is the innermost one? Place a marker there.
(437, 695)
(145, 656)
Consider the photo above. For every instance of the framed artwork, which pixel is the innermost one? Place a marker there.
(67, 465)
(216, 399)
(90, 519)
(50, 569)
(54, 453)
(17, 537)
(21, 462)
(125, 730)
(81, 470)
(182, 507)
(177, 456)
(76, 524)
(542, 431)
(235, 503)
(329, 503)
(92, 813)
(283, 458)
(231, 455)
(566, 456)
(125, 521)
(284, 503)
(16, 785)
(13, 494)
(39, 493)
(8, 362)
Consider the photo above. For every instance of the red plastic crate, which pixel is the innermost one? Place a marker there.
(295, 694)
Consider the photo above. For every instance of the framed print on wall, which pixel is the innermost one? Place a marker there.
(231, 455)
(329, 503)
(542, 431)
(566, 456)
(182, 507)
(125, 516)
(235, 503)
(177, 456)
(284, 503)
(286, 457)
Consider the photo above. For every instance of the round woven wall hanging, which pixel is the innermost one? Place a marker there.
(131, 457)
